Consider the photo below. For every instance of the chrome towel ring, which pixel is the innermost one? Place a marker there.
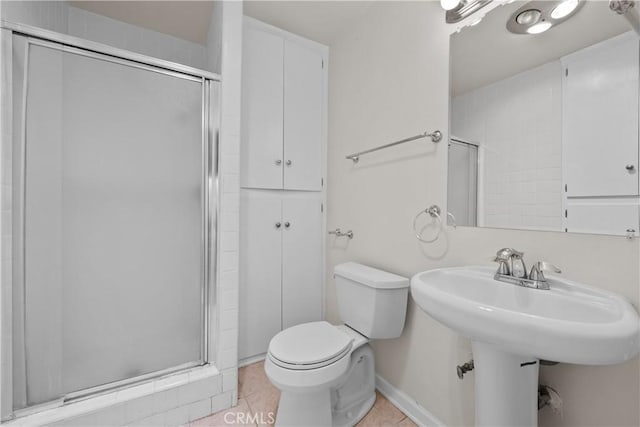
(434, 212)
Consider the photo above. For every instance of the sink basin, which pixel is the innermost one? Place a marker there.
(570, 322)
(511, 327)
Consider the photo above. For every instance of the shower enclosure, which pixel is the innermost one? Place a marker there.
(114, 199)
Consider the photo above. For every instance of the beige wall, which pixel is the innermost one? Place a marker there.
(389, 79)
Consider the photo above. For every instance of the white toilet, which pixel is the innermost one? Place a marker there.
(326, 373)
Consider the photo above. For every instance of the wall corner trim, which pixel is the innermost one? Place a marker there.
(406, 404)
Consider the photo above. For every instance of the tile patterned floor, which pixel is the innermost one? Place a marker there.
(258, 405)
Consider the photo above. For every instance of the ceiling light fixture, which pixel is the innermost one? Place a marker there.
(538, 16)
(564, 9)
(538, 28)
(457, 10)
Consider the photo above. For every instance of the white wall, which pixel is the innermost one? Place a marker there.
(517, 122)
(389, 78)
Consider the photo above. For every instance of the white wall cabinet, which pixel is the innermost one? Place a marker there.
(600, 119)
(281, 251)
(282, 164)
(282, 116)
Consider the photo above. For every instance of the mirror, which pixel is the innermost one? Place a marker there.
(544, 127)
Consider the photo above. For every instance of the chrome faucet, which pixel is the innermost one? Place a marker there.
(512, 269)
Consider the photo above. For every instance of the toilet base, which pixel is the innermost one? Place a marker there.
(355, 414)
(304, 409)
(343, 404)
(355, 395)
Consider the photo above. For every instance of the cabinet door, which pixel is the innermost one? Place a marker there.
(260, 271)
(301, 259)
(604, 216)
(303, 89)
(262, 110)
(600, 129)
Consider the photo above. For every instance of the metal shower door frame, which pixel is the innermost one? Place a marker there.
(210, 83)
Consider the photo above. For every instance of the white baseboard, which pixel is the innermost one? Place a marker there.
(251, 360)
(406, 404)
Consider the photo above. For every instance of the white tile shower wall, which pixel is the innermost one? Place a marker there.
(50, 15)
(98, 28)
(517, 122)
(171, 402)
(229, 40)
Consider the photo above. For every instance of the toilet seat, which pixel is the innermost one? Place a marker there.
(309, 346)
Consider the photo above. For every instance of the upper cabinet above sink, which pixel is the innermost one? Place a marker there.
(570, 322)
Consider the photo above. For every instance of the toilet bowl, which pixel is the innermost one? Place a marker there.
(325, 373)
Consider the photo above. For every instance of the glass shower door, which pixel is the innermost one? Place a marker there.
(113, 221)
(462, 190)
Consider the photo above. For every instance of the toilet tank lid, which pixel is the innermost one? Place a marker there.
(370, 276)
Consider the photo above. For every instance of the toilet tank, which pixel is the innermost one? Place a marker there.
(371, 301)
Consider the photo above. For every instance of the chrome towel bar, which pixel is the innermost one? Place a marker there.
(436, 136)
(339, 233)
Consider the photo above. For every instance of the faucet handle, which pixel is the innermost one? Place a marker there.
(503, 267)
(516, 254)
(506, 254)
(503, 264)
(547, 266)
(540, 266)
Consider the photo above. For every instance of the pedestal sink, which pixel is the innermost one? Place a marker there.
(512, 327)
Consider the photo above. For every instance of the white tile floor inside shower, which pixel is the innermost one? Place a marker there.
(258, 405)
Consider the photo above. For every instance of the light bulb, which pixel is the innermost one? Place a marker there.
(528, 17)
(449, 4)
(564, 9)
(539, 28)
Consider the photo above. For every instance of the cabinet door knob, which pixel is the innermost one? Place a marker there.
(278, 162)
(289, 162)
(630, 167)
(278, 225)
(287, 225)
